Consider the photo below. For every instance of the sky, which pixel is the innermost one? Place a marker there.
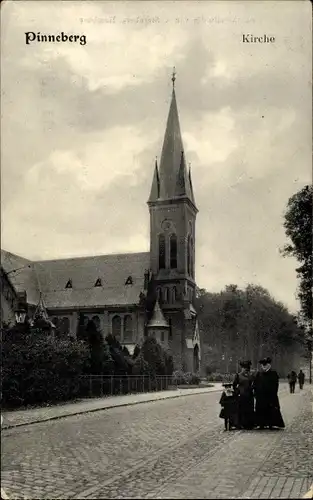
(82, 124)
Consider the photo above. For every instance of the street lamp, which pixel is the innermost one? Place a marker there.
(20, 316)
(21, 309)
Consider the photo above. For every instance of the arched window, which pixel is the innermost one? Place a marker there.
(188, 254)
(96, 321)
(174, 295)
(158, 293)
(191, 258)
(128, 328)
(55, 321)
(165, 295)
(64, 326)
(173, 251)
(162, 251)
(116, 327)
(170, 329)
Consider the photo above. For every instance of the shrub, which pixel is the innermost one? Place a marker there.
(210, 369)
(169, 364)
(221, 377)
(195, 379)
(41, 369)
(154, 355)
(182, 378)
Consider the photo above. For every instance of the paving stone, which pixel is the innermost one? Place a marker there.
(166, 449)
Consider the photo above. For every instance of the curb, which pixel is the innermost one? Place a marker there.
(93, 410)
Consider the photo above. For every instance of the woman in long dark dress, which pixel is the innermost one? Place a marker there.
(243, 386)
(267, 406)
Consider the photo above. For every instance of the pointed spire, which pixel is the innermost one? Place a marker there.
(191, 187)
(174, 77)
(171, 179)
(181, 184)
(171, 152)
(41, 311)
(157, 320)
(155, 188)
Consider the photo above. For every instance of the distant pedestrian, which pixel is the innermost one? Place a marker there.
(301, 378)
(292, 379)
(229, 406)
(267, 408)
(243, 386)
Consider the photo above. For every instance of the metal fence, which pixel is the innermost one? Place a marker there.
(110, 385)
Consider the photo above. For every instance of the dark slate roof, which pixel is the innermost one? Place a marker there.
(113, 270)
(51, 276)
(22, 275)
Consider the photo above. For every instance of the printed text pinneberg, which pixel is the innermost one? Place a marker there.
(31, 37)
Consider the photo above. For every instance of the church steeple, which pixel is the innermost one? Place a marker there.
(172, 211)
(172, 172)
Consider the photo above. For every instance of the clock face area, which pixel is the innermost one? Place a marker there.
(167, 225)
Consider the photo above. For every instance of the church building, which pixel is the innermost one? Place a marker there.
(128, 295)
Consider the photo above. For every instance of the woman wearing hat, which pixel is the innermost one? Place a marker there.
(243, 386)
(267, 406)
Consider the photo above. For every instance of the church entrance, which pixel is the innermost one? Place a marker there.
(196, 364)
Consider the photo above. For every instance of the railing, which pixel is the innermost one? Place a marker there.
(109, 385)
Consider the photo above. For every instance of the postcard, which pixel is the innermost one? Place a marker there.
(156, 248)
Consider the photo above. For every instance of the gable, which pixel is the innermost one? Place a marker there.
(22, 275)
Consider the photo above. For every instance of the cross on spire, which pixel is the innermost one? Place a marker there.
(174, 76)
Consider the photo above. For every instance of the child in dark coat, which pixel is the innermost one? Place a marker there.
(229, 404)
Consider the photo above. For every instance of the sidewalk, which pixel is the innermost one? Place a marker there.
(26, 417)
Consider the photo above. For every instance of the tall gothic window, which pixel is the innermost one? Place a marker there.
(64, 326)
(174, 295)
(117, 327)
(128, 328)
(96, 321)
(162, 251)
(191, 258)
(170, 330)
(173, 251)
(165, 295)
(188, 254)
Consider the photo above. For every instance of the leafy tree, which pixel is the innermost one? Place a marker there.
(298, 228)
(101, 361)
(136, 351)
(125, 351)
(154, 355)
(237, 324)
(122, 362)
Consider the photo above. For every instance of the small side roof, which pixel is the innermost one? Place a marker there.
(158, 320)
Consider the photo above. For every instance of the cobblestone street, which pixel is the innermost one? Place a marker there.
(175, 448)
